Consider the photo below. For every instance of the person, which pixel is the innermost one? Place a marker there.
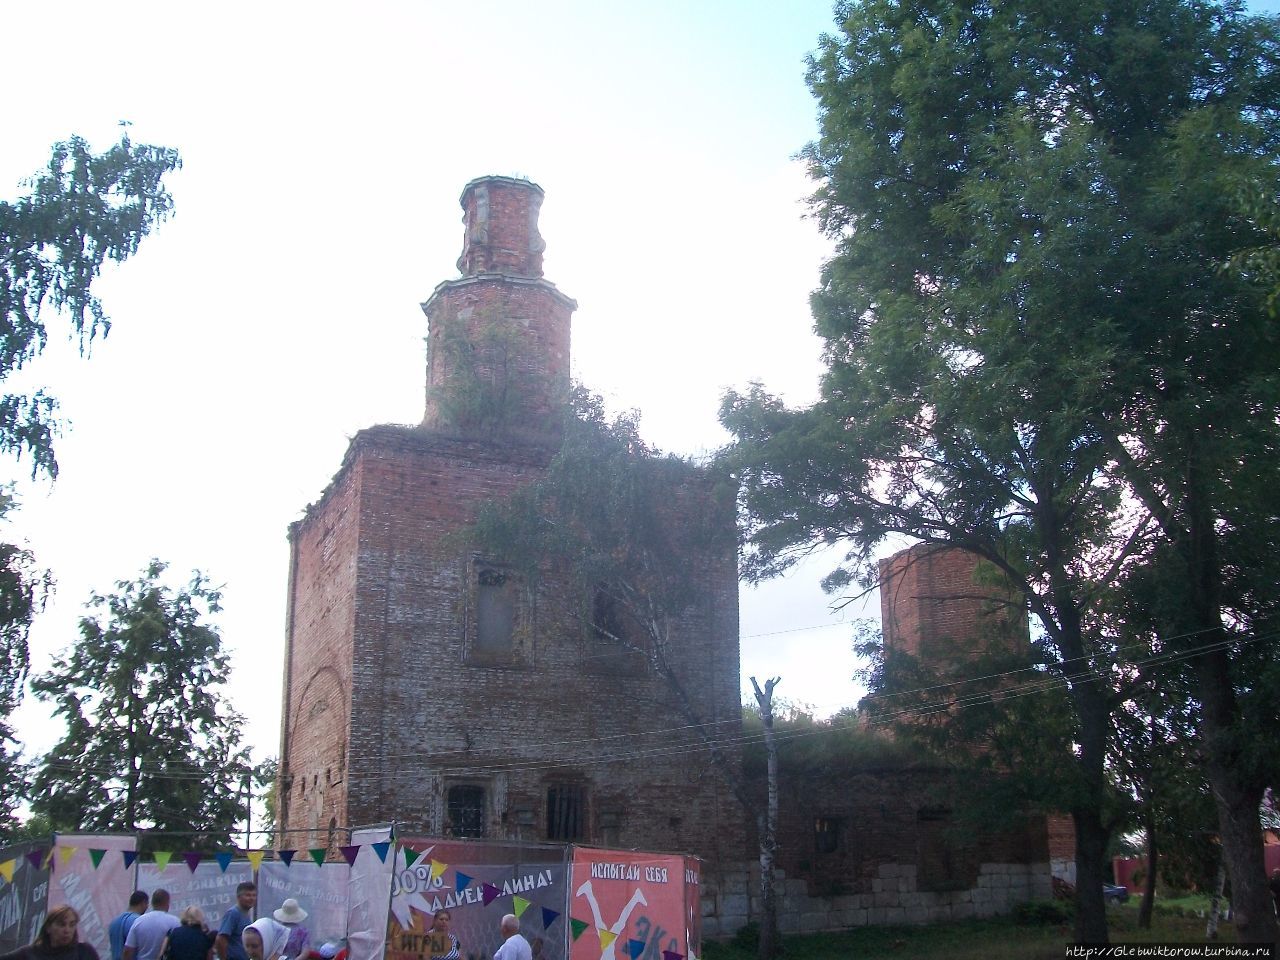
(514, 946)
(228, 945)
(444, 944)
(147, 935)
(291, 915)
(59, 939)
(264, 939)
(119, 927)
(190, 940)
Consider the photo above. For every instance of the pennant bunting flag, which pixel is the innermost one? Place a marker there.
(65, 854)
(193, 859)
(36, 857)
(548, 917)
(381, 850)
(286, 856)
(461, 881)
(49, 858)
(606, 938)
(519, 905)
(489, 893)
(672, 955)
(224, 860)
(317, 855)
(130, 858)
(438, 868)
(6, 870)
(349, 854)
(635, 948)
(410, 857)
(255, 858)
(96, 856)
(162, 858)
(577, 926)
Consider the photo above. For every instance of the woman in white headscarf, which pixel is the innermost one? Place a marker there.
(264, 939)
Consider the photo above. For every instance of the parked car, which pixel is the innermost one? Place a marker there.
(1114, 894)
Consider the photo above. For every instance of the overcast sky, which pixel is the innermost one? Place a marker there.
(324, 148)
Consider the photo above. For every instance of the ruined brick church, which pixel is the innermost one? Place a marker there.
(425, 685)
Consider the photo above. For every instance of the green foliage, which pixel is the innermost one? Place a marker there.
(1034, 913)
(807, 746)
(151, 743)
(82, 211)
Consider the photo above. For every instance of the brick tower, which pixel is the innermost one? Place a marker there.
(426, 684)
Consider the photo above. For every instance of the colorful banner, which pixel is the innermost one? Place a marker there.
(99, 893)
(207, 887)
(478, 883)
(370, 895)
(321, 890)
(23, 895)
(627, 906)
(693, 907)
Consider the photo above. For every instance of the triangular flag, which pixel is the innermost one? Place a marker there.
(438, 868)
(606, 939)
(349, 854)
(410, 857)
(672, 955)
(286, 856)
(461, 881)
(489, 893)
(317, 855)
(255, 858)
(193, 859)
(635, 948)
(36, 857)
(519, 905)
(162, 858)
(96, 856)
(381, 849)
(130, 858)
(65, 854)
(6, 870)
(224, 859)
(577, 926)
(548, 917)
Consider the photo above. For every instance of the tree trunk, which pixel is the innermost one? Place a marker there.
(1149, 882)
(1211, 925)
(770, 941)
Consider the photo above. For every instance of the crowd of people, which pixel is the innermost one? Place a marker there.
(156, 934)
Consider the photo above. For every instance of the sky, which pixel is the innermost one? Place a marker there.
(277, 313)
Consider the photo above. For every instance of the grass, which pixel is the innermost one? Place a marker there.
(996, 939)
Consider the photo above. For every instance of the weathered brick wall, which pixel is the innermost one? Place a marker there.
(317, 689)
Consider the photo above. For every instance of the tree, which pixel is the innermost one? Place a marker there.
(84, 210)
(623, 539)
(1033, 349)
(151, 743)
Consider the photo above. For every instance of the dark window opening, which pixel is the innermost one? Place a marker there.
(826, 834)
(495, 611)
(945, 858)
(466, 811)
(566, 812)
(614, 633)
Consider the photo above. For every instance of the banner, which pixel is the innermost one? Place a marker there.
(320, 889)
(370, 894)
(23, 896)
(693, 906)
(627, 906)
(478, 883)
(89, 873)
(207, 887)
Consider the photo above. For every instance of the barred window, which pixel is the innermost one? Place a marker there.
(566, 812)
(466, 810)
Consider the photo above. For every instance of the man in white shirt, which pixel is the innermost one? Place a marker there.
(147, 934)
(514, 946)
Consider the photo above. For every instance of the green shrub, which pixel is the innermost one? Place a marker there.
(1042, 912)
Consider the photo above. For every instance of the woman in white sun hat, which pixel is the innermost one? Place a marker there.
(291, 915)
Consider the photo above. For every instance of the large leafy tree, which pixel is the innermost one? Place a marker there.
(151, 743)
(1034, 350)
(83, 210)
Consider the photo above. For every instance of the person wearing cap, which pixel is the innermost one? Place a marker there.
(291, 915)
